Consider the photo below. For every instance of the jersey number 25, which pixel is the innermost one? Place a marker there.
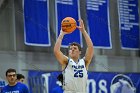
(78, 73)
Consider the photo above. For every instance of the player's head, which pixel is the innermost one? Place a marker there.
(20, 78)
(11, 76)
(74, 50)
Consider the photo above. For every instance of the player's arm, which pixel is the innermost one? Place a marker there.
(57, 52)
(90, 49)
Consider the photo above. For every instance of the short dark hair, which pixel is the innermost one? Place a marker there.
(75, 44)
(10, 70)
(20, 76)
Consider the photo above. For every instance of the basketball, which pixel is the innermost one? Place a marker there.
(68, 24)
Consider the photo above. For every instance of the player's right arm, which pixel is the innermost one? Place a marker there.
(57, 52)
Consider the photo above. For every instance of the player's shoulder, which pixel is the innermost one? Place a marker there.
(70, 60)
(21, 84)
(5, 88)
(23, 87)
(82, 59)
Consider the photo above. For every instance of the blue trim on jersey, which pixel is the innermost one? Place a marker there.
(76, 62)
(64, 72)
(66, 65)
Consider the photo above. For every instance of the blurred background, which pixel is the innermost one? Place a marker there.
(14, 53)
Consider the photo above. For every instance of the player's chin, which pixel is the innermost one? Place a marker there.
(72, 56)
(12, 82)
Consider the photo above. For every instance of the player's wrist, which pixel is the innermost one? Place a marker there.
(83, 31)
(61, 35)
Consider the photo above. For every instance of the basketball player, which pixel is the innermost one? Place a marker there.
(74, 67)
(20, 78)
(14, 86)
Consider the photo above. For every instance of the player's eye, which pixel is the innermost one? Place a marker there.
(11, 75)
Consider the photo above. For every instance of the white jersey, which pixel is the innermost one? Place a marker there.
(75, 77)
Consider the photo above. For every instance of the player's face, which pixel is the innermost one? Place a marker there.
(74, 52)
(22, 80)
(11, 77)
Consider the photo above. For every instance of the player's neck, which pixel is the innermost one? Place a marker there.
(12, 84)
(75, 60)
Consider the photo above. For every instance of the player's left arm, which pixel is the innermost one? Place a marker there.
(90, 48)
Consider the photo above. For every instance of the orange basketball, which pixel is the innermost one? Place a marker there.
(68, 24)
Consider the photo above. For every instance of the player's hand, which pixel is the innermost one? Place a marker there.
(63, 32)
(81, 26)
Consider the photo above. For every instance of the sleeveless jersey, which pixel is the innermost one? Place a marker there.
(75, 77)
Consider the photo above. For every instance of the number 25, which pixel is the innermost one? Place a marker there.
(78, 73)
